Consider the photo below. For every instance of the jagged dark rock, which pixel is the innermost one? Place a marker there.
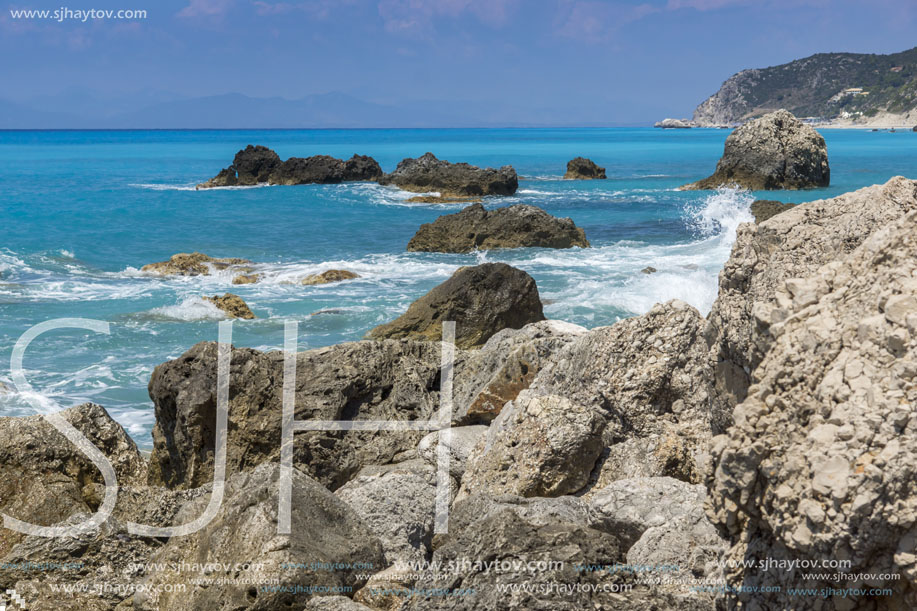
(427, 173)
(482, 300)
(516, 226)
(763, 209)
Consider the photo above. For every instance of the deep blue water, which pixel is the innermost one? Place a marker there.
(83, 211)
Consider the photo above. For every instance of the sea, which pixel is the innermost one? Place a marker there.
(83, 211)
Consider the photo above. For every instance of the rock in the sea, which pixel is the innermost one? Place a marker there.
(516, 226)
(191, 264)
(241, 547)
(793, 244)
(763, 209)
(45, 479)
(232, 305)
(439, 199)
(427, 173)
(674, 124)
(329, 276)
(776, 151)
(644, 377)
(648, 270)
(822, 458)
(580, 168)
(251, 166)
(482, 300)
(258, 164)
(324, 169)
(387, 380)
(246, 279)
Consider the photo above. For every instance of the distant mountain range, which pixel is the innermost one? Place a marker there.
(854, 86)
(79, 109)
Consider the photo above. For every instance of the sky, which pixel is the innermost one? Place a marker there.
(558, 62)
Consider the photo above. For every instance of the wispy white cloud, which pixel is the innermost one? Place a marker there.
(205, 8)
(593, 21)
(417, 17)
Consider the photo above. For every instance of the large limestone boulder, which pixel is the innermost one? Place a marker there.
(389, 380)
(776, 151)
(516, 226)
(242, 546)
(822, 458)
(191, 264)
(232, 305)
(792, 244)
(580, 168)
(644, 378)
(427, 173)
(482, 300)
(45, 479)
(251, 166)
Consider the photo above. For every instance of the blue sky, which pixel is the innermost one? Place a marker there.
(612, 62)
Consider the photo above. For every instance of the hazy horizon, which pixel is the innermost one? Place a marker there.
(412, 63)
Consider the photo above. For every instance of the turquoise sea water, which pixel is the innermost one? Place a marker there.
(83, 211)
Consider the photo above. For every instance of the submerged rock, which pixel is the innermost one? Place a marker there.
(427, 173)
(242, 547)
(580, 168)
(822, 458)
(482, 300)
(793, 244)
(329, 276)
(648, 270)
(233, 305)
(763, 209)
(776, 151)
(246, 279)
(439, 199)
(516, 226)
(191, 264)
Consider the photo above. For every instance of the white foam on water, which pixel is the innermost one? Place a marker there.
(193, 187)
(190, 309)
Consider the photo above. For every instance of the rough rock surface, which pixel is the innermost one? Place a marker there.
(250, 166)
(427, 173)
(793, 244)
(233, 305)
(822, 459)
(323, 530)
(258, 164)
(459, 440)
(324, 169)
(642, 377)
(191, 264)
(387, 380)
(398, 507)
(776, 151)
(334, 603)
(580, 168)
(482, 300)
(329, 276)
(516, 226)
(44, 478)
(506, 365)
(763, 209)
(246, 279)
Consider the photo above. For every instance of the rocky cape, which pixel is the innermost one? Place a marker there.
(776, 151)
(781, 426)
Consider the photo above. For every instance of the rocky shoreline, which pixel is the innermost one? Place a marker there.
(780, 427)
